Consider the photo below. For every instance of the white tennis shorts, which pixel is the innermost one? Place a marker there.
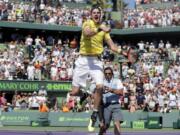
(87, 65)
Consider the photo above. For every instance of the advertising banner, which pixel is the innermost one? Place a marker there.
(8, 85)
(81, 119)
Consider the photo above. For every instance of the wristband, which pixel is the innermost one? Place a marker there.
(119, 50)
(99, 29)
(96, 30)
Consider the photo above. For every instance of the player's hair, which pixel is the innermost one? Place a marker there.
(96, 7)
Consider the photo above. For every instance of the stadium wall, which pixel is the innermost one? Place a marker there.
(81, 119)
(120, 32)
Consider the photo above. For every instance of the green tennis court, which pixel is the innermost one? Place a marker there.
(25, 130)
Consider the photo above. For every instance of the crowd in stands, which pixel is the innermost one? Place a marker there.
(28, 101)
(152, 81)
(151, 17)
(57, 14)
(35, 60)
(138, 2)
(41, 12)
(146, 85)
(151, 84)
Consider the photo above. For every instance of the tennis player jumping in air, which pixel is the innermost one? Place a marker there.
(94, 33)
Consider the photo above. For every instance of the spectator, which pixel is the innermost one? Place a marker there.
(126, 101)
(33, 101)
(37, 42)
(7, 108)
(20, 73)
(3, 100)
(31, 71)
(140, 100)
(165, 109)
(63, 75)
(146, 108)
(64, 107)
(29, 46)
(43, 107)
(133, 102)
(42, 91)
(156, 108)
(172, 100)
(54, 72)
(38, 66)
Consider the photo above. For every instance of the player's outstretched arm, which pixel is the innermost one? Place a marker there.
(113, 46)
